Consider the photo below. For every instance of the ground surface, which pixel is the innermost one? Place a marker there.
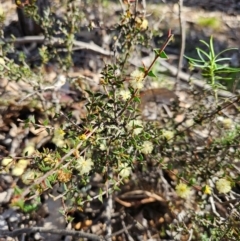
(143, 201)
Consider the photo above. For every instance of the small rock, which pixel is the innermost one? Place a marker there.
(6, 196)
(3, 224)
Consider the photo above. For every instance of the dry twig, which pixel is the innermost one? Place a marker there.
(58, 42)
(183, 38)
(79, 234)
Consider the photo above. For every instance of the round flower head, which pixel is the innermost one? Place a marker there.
(136, 84)
(59, 132)
(6, 161)
(227, 123)
(22, 163)
(103, 147)
(137, 75)
(58, 138)
(168, 134)
(144, 24)
(29, 150)
(84, 165)
(183, 190)
(125, 94)
(147, 147)
(17, 171)
(136, 126)
(137, 79)
(223, 185)
(125, 170)
(20, 167)
(30, 175)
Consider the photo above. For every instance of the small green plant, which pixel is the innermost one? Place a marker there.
(215, 70)
(210, 22)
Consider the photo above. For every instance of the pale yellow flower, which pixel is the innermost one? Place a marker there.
(2, 15)
(168, 134)
(141, 23)
(125, 94)
(137, 75)
(227, 123)
(144, 24)
(125, 170)
(58, 138)
(84, 166)
(2, 61)
(103, 146)
(22, 163)
(136, 126)
(183, 190)
(29, 176)
(136, 84)
(59, 142)
(29, 149)
(59, 132)
(223, 185)
(6, 161)
(18, 171)
(147, 147)
(137, 79)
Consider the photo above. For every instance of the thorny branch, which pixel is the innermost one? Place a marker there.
(39, 180)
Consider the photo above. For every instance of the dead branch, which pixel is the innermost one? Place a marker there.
(58, 42)
(79, 234)
(183, 39)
